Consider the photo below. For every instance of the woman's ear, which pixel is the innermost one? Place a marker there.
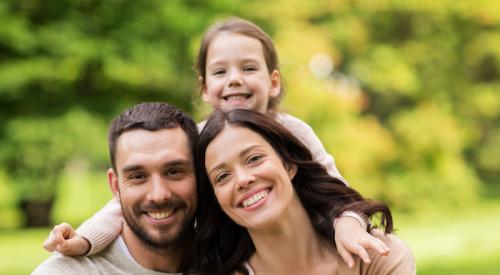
(291, 170)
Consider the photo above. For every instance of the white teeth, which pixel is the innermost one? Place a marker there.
(255, 198)
(235, 97)
(160, 215)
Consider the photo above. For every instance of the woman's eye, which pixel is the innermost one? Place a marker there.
(254, 158)
(221, 177)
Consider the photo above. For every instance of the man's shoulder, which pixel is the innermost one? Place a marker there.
(59, 264)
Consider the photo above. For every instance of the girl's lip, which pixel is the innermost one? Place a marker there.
(251, 193)
(246, 95)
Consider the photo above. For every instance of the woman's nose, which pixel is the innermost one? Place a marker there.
(245, 179)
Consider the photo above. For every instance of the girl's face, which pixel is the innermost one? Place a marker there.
(237, 75)
(249, 179)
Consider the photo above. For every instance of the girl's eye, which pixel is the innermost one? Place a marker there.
(218, 72)
(249, 68)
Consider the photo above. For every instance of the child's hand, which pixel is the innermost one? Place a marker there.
(351, 238)
(64, 240)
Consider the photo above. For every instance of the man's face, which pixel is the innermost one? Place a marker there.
(155, 183)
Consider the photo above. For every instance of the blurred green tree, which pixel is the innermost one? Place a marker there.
(68, 65)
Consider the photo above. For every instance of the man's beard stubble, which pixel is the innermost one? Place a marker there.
(178, 239)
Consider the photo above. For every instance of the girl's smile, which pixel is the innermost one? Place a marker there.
(237, 74)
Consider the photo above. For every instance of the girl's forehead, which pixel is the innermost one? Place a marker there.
(226, 37)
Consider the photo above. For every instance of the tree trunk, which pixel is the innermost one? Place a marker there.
(37, 213)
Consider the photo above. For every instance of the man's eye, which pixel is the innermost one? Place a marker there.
(175, 172)
(136, 176)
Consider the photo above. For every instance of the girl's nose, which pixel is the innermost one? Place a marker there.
(234, 79)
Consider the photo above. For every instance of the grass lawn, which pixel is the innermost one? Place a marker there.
(465, 241)
(455, 243)
(21, 250)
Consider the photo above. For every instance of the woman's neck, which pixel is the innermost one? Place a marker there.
(290, 245)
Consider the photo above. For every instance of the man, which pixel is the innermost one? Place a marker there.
(153, 178)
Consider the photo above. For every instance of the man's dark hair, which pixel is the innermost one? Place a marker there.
(151, 116)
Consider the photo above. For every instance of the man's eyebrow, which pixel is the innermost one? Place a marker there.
(177, 162)
(131, 168)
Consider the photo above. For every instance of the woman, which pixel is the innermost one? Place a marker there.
(265, 206)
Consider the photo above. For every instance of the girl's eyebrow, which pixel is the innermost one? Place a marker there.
(223, 62)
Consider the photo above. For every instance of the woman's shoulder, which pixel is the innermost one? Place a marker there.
(399, 261)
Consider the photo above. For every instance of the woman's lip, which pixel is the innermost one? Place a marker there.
(251, 193)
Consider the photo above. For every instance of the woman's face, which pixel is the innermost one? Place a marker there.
(249, 178)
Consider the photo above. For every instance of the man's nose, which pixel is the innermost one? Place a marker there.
(159, 190)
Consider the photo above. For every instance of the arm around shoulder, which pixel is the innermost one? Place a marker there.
(400, 260)
(102, 228)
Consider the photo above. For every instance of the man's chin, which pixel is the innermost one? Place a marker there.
(162, 237)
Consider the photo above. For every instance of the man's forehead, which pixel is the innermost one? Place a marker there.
(154, 144)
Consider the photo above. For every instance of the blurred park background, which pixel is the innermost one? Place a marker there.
(404, 94)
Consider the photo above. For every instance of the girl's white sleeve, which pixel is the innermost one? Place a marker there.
(103, 227)
(303, 132)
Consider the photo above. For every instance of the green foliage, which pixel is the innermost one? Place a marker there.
(36, 150)
(67, 67)
(410, 110)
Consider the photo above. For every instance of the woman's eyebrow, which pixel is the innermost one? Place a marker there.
(242, 153)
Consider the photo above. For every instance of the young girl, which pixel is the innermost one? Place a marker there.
(238, 68)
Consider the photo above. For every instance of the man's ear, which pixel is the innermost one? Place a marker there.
(275, 83)
(113, 183)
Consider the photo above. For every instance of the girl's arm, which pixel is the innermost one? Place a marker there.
(303, 132)
(91, 237)
(103, 227)
(351, 236)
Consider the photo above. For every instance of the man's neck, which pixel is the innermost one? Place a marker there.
(150, 258)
